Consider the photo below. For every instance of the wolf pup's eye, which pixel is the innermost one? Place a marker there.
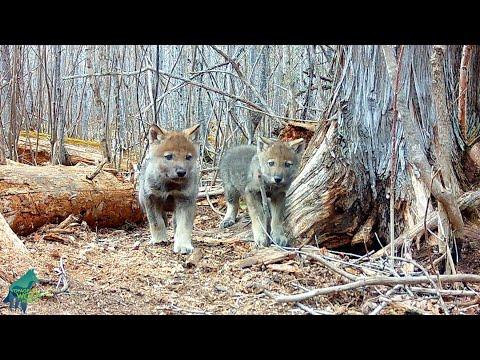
(168, 156)
(288, 163)
(271, 162)
(188, 157)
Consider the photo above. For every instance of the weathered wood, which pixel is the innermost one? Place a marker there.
(194, 259)
(315, 207)
(63, 239)
(264, 256)
(417, 155)
(76, 153)
(466, 201)
(347, 167)
(15, 259)
(69, 220)
(444, 149)
(288, 268)
(211, 192)
(462, 89)
(373, 281)
(33, 196)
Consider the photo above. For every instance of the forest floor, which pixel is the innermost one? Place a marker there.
(108, 274)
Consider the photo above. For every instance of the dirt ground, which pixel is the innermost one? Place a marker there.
(109, 275)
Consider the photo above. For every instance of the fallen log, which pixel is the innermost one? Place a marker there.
(32, 196)
(76, 153)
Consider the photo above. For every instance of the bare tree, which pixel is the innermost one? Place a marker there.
(59, 153)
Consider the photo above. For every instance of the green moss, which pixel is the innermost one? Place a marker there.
(68, 140)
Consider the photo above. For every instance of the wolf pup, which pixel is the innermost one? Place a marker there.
(244, 169)
(169, 181)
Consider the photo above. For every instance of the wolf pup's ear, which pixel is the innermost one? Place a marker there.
(297, 145)
(155, 133)
(191, 133)
(263, 143)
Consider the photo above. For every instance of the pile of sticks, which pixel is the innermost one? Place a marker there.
(407, 279)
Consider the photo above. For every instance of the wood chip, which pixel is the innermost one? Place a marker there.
(57, 238)
(288, 268)
(194, 259)
(264, 256)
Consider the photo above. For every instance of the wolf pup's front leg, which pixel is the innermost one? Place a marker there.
(255, 210)
(156, 221)
(184, 216)
(277, 208)
(233, 197)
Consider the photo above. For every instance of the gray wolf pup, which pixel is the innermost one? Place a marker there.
(169, 181)
(245, 169)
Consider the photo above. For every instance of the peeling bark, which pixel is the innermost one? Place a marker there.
(462, 89)
(346, 169)
(33, 196)
(14, 257)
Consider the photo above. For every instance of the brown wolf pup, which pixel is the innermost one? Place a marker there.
(244, 169)
(169, 181)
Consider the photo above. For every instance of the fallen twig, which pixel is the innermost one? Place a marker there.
(63, 278)
(69, 220)
(97, 170)
(57, 238)
(387, 281)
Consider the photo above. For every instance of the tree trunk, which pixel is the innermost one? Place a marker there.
(3, 158)
(345, 173)
(33, 196)
(98, 103)
(59, 153)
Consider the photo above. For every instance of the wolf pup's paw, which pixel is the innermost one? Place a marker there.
(262, 242)
(227, 223)
(280, 239)
(182, 248)
(157, 242)
(157, 239)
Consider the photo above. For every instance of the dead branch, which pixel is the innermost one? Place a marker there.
(462, 89)
(266, 256)
(468, 200)
(374, 281)
(305, 308)
(247, 83)
(56, 238)
(63, 278)
(325, 263)
(444, 292)
(97, 170)
(69, 220)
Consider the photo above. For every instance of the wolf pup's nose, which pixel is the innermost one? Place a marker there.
(181, 173)
(278, 179)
